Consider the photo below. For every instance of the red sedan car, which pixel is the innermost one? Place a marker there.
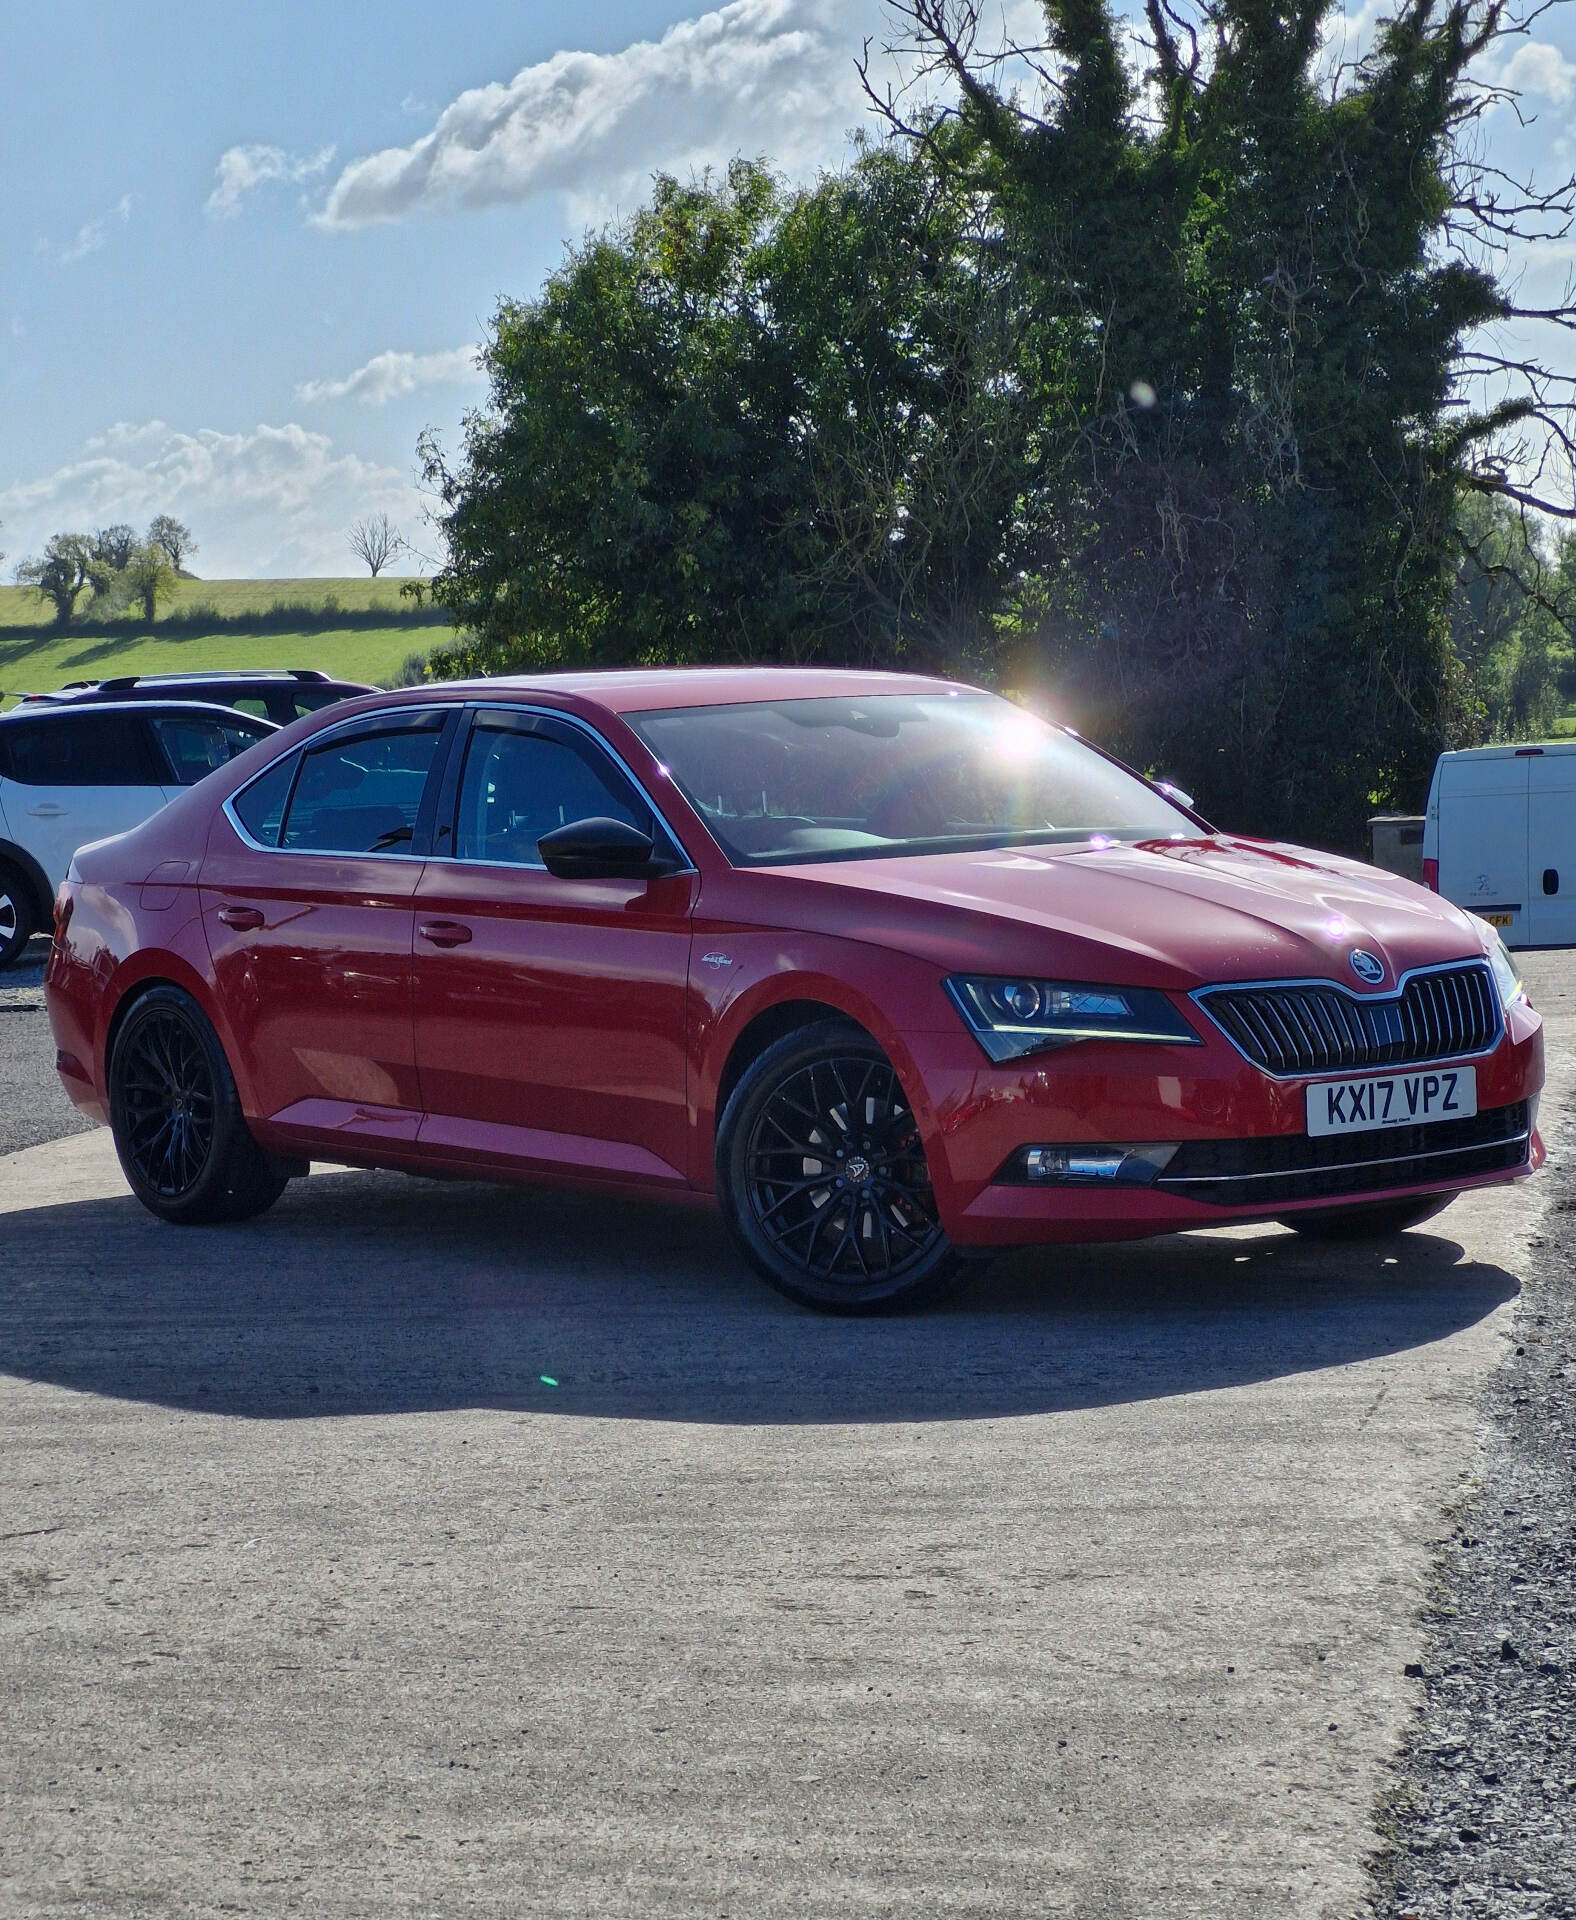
(886, 968)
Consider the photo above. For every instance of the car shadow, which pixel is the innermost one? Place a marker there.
(365, 1293)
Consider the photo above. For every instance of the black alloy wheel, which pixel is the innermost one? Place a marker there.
(179, 1131)
(16, 918)
(1370, 1220)
(822, 1177)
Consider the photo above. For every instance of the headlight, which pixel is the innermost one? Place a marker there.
(1010, 1018)
(1507, 975)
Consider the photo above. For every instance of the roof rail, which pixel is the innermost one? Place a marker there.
(206, 673)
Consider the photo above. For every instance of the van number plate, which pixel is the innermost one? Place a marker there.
(1392, 1100)
(1499, 919)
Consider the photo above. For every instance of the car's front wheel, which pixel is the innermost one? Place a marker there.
(179, 1130)
(822, 1176)
(16, 917)
(1371, 1220)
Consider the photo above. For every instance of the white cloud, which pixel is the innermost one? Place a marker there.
(241, 169)
(769, 77)
(1540, 68)
(89, 237)
(274, 501)
(1346, 38)
(391, 376)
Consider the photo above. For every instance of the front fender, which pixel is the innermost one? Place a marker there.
(885, 993)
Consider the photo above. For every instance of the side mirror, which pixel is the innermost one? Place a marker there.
(598, 849)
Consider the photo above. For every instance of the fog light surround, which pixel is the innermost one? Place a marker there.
(1089, 1165)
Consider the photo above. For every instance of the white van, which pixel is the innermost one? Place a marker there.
(1500, 839)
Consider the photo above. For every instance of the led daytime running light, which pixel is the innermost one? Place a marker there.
(1013, 1017)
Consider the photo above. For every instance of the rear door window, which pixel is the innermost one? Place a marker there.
(363, 794)
(84, 750)
(260, 808)
(199, 745)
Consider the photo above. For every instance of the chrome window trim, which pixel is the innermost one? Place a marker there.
(351, 722)
(347, 725)
(1197, 995)
(613, 754)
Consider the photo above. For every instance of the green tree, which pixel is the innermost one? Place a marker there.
(1513, 618)
(1249, 309)
(1156, 383)
(62, 573)
(115, 545)
(747, 425)
(173, 538)
(149, 576)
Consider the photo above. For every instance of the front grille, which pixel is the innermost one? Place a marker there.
(1324, 1028)
(1295, 1166)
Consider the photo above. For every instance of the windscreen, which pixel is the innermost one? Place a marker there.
(789, 781)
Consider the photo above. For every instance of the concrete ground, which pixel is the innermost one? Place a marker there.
(430, 1549)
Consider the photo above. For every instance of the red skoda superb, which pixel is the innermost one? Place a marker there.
(885, 968)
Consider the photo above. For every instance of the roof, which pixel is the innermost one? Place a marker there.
(1530, 750)
(640, 689)
(55, 712)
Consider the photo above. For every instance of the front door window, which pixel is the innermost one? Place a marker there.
(519, 786)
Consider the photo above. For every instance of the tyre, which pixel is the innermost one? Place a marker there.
(1371, 1221)
(16, 916)
(822, 1178)
(182, 1140)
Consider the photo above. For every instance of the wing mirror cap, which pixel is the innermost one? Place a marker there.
(601, 849)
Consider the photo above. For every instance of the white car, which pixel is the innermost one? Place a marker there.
(74, 774)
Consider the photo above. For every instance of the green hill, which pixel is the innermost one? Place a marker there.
(353, 629)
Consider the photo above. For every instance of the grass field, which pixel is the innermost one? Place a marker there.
(35, 657)
(22, 607)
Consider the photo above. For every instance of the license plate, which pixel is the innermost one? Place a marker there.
(1499, 919)
(1392, 1100)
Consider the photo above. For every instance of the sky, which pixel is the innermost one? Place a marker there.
(247, 252)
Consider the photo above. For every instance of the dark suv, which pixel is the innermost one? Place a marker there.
(71, 774)
(280, 694)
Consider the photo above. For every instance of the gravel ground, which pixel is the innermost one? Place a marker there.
(33, 1104)
(1481, 1820)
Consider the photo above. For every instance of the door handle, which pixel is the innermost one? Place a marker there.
(47, 813)
(445, 933)
(243, 919)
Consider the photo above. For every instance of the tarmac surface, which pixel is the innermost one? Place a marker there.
(33, 1104)
(434, 1549)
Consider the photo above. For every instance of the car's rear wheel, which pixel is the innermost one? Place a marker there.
(179, 1130)
(16, 917)
(822, 1177)
(1371, 1220)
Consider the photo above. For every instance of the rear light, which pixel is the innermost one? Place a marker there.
(1431, 875)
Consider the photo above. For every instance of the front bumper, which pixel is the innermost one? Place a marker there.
(1245, 1153)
